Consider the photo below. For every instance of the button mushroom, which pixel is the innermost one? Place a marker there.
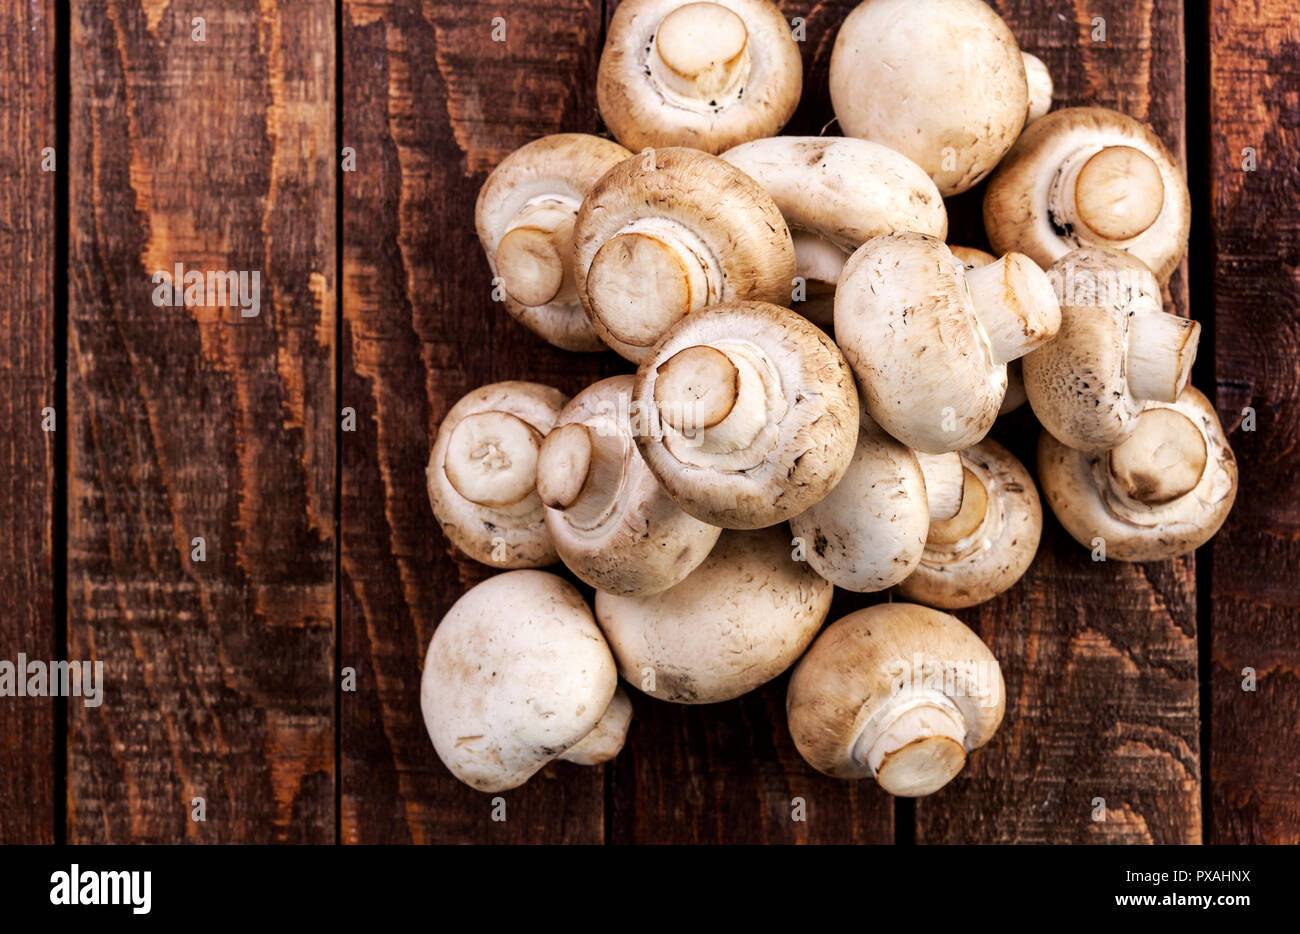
(670, 232)
(609, 519)
(929, 339)
(1039, 81)
(482, 474)
(897, 691)
(705, 75)
(1163, 492)
(517, 674)
(836, 193)
(1088, 176)
(941, 81)
(739, 620)
(990, 543)
(1015, 396)
(524, 217)
(755, 416)
(1116, 349)
(869, 532)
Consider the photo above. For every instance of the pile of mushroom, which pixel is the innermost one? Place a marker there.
(810, 376)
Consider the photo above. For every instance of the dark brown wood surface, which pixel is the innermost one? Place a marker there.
(322, 554)
(197, 422)
(1255, 579)
(27, 386)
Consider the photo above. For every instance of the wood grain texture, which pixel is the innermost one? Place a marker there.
(27, 385)
(431, 104)
(196, 422)
(1099, 658)
(1254, 751)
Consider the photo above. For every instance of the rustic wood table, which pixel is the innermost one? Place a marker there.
(337, 149)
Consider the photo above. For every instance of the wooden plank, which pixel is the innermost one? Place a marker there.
(431, 104)
(216, 152)
(1100, 659)
(27, 385)
(729, 773)
(1254, 755)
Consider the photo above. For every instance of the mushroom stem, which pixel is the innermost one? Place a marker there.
(1162, 460)
(1016, 304)
(1039, 80)
(916, 745)
(1115, 192)
(580, 470)
(534, 257)
(968, 518)
(606, 738)
(701, 55)
(944, 482)
(713, 398)
(1161, 350)
(643, 280)
(491, 458)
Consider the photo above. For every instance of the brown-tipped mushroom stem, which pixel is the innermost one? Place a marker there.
(534, 257)
(914, 744)
(967, 520)
(714, 398)
(492, 458)
(1162, 460)
(1039, 80)
(642, 281)
(1015, 303)
(1115, 192)
(1161, 350)
(606, 738)
(563, 465)
(944, 478)
(701, 54)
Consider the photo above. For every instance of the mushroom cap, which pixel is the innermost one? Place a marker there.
(980, 559)
(736, 622)
(835, 194)
(941, 81)
(1019, 209)
(641, 112)
(558, 169)
(1091, 502)
(626, 535)
(868, 533)
(519, 528)
(808, 419)
(885, 661)
(516, 673)
(1079, 384)
(705, 201)
(908, 325)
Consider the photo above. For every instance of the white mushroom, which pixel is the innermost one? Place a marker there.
(670, 232)
(929, 339)
(1163, 492)
(610, 521)
(705, 75)
(941, 81)
(1089, 177)
(517, 674)
(524, 217)
(868, 533)
(1015, 396)
(990, 543)
(836, 193)
(755, 414)
(739, 620)
(1039, 80)
(1116, 349)
(896, 691)
(482, 473)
